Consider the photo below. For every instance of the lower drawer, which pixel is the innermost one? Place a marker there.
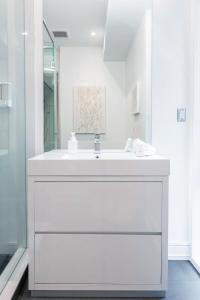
(97, 258)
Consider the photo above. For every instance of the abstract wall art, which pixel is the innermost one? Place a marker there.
(90, 109)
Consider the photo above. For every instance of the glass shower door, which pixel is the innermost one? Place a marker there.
(12, 137)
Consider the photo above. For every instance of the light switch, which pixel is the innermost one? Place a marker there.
(181, 114)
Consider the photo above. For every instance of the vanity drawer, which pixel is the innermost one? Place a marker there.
(97, 258)
(98, 206)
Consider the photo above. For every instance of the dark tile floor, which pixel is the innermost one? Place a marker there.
(4, 260)
(184, 284)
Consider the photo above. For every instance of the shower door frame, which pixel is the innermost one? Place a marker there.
(10, 276)
(34, 121)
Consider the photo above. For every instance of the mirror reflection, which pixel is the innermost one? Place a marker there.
(97, 72)
(49, 90)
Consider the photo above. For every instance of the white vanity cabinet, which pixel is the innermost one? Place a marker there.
(94, 232)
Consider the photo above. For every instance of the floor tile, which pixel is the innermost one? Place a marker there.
(184, 284)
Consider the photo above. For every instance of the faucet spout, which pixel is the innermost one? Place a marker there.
(97, 144)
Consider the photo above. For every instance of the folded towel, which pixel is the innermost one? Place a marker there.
(141, 148)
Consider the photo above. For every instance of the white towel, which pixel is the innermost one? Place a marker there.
(141, 148)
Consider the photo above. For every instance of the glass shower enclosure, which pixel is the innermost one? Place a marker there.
(12, 137)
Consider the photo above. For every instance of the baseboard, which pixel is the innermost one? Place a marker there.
(195, 265)
(98, 294)
(179, 251)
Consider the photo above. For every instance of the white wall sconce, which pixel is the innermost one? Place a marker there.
(136, 98)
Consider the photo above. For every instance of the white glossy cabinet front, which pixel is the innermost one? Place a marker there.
(97, 258)
(98, 233)
(98, 206)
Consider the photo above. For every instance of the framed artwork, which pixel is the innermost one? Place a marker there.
(89, 109)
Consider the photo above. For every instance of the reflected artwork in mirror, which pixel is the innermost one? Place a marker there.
(89, 110)
(103, 60)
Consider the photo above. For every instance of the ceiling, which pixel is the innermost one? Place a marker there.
(123, 19)
(79, 18)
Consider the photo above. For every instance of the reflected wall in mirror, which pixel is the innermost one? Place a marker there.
(49, 90)
(103, 44)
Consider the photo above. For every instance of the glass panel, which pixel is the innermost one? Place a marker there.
(12, 137)
(50, 92)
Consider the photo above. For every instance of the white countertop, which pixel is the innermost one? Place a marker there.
(107, 163)
(115, 154)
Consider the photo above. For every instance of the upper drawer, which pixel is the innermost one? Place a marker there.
(98, 206)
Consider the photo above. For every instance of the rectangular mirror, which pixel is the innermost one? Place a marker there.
(103, 50)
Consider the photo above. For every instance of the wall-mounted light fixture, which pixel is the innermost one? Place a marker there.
(93, 33)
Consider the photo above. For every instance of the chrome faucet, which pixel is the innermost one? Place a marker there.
(97, 144)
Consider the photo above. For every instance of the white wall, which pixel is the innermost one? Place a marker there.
(81, 66)
(138, 67)
(170, 89)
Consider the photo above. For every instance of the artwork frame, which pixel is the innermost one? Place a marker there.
(89, 110)
(136, 98)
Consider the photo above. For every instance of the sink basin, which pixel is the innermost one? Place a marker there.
(103, 155)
